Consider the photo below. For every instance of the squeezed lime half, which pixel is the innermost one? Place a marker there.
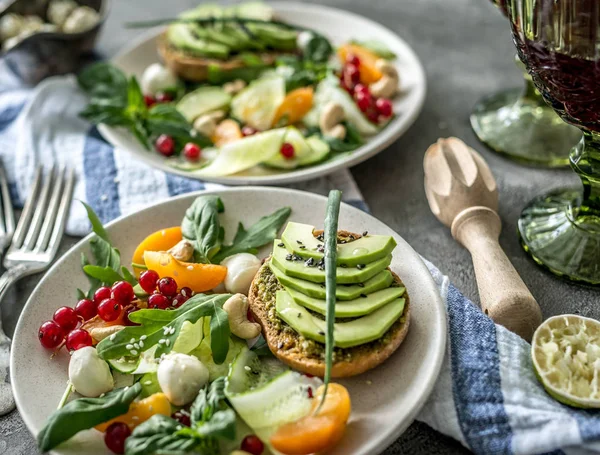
(566, 357)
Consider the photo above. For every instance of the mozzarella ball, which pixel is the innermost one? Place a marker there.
(181, 377)
(157, 78)
(81, 19)
(89, 374)
(241, 269)
(59, 11)
(10, 26)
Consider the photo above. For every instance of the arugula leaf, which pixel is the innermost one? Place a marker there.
(128, 276)
(162, 328)
(317, 48)
(262, 232)
(94, 283)
(105, 275)
(85, 413)
(164, 118)
(201, 226)
(352, 141)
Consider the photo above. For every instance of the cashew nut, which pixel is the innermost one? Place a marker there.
(388, 85)
(330, 120)
(236, 308)
(234, 87)
(183, 251)
(207, 124)
(99, 333)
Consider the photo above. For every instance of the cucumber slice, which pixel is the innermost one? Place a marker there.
(245, 153)
(189, 338)
(204, 354)
(302, 151)
(266, 394)
(201, 101)
(329, 90)
(257, 104)
(124, 365)
(149, 384)
(320, 150)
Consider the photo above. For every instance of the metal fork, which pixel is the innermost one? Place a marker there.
(34, 244)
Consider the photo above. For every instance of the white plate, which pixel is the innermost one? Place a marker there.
(384, 400)
(339, 26)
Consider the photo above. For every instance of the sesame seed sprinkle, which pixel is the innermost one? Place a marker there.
(134, 352)
(143, 337)
(129, 347)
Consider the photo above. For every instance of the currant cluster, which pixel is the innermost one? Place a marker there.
(163, 291)
(377, 110)
(165, 145)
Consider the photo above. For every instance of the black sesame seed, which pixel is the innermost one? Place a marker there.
(299, 315)
(280, 345)
(310, 262)
(297, 258)
(361, 285)
(351, 237)
(342, 241)
(360, 266)
(299, 242)
(302, 247)
(280, 245)
(323, 286)
(365, 233)
(321, 333)
(321, 267)
(364, 296)
(344, 265)
(288, 257)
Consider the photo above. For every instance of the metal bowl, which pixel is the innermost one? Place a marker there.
(51, 53)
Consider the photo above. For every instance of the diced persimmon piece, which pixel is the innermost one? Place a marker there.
(227, 131)
(294, 107)
(198, 277)
(316, 432)
(368, 70)
(161, 240)
(140, 411)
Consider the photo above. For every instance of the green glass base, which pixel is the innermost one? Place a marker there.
(523, 129)
(557, 238)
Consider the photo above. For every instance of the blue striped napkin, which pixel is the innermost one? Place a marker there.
(486, 397)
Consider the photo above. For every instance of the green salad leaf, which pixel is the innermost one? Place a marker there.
(85, 413)
(202, 227)
(211, 420)
(257, 235)
(161, 328)
(317, 48)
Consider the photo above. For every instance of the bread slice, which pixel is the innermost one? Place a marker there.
(296, 351)
(195, 69)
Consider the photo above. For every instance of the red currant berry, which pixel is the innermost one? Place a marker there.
(179, 300)
(186, 292)
(384, 107)
(363, 100)
(182, 417)
(361, 88)
(373, 115)
(351, 75)
(287, 150)
(77, 339)
(109, 310)
(115, 437)
(164, 97)
(167, 286)
(344, 86)
(192, 151)
(310, 393)
(122, 292)
(252, 444)
(159, 301)
(86, 309)
(101, 294)
(148, 280)
(248, 130)
(149, 100)
(352, 59)
(165, 145)
(50, 334)
(66, 318)
(128, 311)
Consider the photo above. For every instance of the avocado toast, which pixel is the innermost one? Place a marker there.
(372, 309)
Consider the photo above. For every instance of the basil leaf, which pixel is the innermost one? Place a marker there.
(201, 226)
(85, 413)
(160, 434)
(104, 274)
(209, 399)
(103, 80)
(221, 425)
(135, 98)
(162, 327)
(352, 141)
(317, 48)
(262, 232)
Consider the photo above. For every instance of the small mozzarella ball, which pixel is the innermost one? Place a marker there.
(59, 11)
(181, 377)
(241, 269)
(81, 19)
(303, 39)
(10, 26)
(157, 78)
(89, 374)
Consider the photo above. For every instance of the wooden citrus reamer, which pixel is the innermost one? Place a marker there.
(462, 194)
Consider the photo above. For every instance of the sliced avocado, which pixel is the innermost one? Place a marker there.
(252, 10)
(181, 36)
(297, 267)
(349, 308)
(367, 249)
(203, 100)
(274, 36)
(343, 292)
(347, 334)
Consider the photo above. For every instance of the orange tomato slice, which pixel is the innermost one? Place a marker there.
(227, 131)
(157, 241)
(140, 411)
(198, 277)
(368, 71)
(294, 107)
(316, 432)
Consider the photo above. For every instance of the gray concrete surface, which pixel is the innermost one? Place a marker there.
(467, 51)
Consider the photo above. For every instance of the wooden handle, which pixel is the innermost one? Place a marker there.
(504, 297)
